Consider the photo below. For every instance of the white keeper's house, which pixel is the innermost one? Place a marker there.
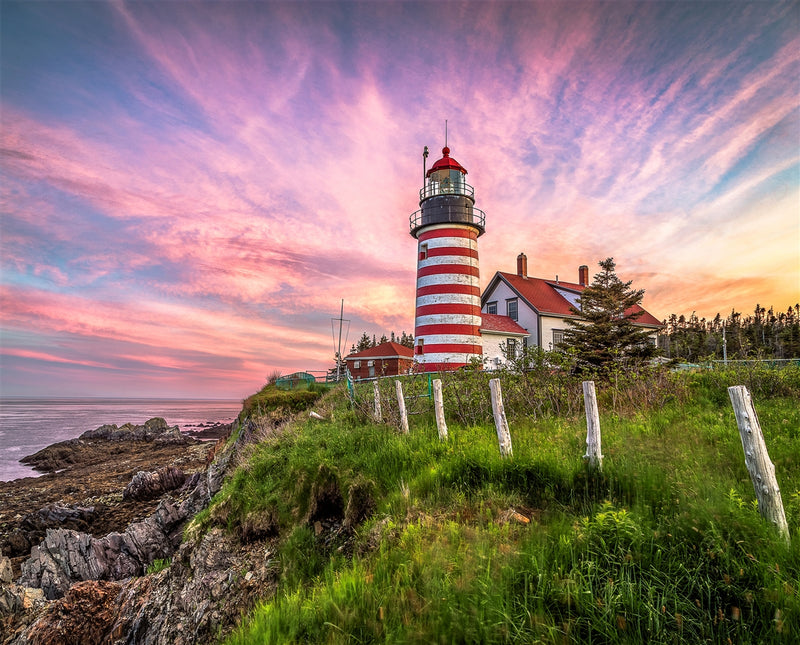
(539, 308)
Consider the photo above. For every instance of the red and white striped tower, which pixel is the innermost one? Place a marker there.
(447, 227)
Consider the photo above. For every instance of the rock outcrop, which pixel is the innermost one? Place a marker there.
(156, 429)
(67, 556)
(199, 597)
(209, 579)
(147, 485)
(65, 454)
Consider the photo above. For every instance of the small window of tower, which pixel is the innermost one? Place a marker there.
(423, 251)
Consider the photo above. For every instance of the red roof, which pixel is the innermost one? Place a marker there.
(384, 350)
(446, 162)
(543, 295)
(495, 322)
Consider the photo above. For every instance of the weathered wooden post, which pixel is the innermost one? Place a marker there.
(756, 458)
(401, 403)
(500, 422)
(377, 390)
(593, 456)
(438, 407)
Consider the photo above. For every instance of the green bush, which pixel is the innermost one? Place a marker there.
(270, 400)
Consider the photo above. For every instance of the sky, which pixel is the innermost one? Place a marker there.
(190, 189)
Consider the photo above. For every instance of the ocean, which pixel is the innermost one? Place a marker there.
(28, 425)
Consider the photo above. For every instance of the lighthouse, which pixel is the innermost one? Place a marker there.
(448, 308)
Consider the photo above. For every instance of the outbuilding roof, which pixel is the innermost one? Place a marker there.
(383, 350)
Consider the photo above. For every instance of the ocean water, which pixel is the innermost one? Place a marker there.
(28, 425)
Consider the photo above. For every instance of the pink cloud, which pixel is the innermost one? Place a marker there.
(235, 217)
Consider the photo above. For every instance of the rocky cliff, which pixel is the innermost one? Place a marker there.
(81, 588)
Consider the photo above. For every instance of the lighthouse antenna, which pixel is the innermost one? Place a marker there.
(445, 133)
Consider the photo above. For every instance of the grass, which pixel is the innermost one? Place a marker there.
(158, 565)
(272, 400)
(664, 546)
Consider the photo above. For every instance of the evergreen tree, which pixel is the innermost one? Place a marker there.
(364, 343)
(763, 335)
(606, 332)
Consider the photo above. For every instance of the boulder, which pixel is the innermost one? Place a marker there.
(55, 515)
(155, 429)
(5, 570)
(147, 485)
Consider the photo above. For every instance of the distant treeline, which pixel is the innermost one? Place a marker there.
(764, 334)
(365, 342)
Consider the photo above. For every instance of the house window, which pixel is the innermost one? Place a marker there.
(370, 363)
(558, 338)
(423, 251)
(511, 308)
(356, 364)
(491, 307)
(511, 348)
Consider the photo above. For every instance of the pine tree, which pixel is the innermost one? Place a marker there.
(606, 332)
(365, 342)
(407, 340)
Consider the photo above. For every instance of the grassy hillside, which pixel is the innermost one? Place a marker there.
(385, 537)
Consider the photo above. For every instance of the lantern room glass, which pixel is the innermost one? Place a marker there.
(446, 182)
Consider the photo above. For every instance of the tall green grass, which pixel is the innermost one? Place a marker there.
(664, 546)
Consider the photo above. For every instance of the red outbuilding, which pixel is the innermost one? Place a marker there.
(386, 359)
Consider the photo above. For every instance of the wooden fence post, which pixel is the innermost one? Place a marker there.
(756, 458)
(438, 406)
(500, 422)
(377, 391)
(594, 455)
(401, 403)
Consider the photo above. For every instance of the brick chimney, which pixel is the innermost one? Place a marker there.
(583, 275)
(522, 265)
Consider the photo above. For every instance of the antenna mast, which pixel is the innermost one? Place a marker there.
(445, 133)
(338, 347)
